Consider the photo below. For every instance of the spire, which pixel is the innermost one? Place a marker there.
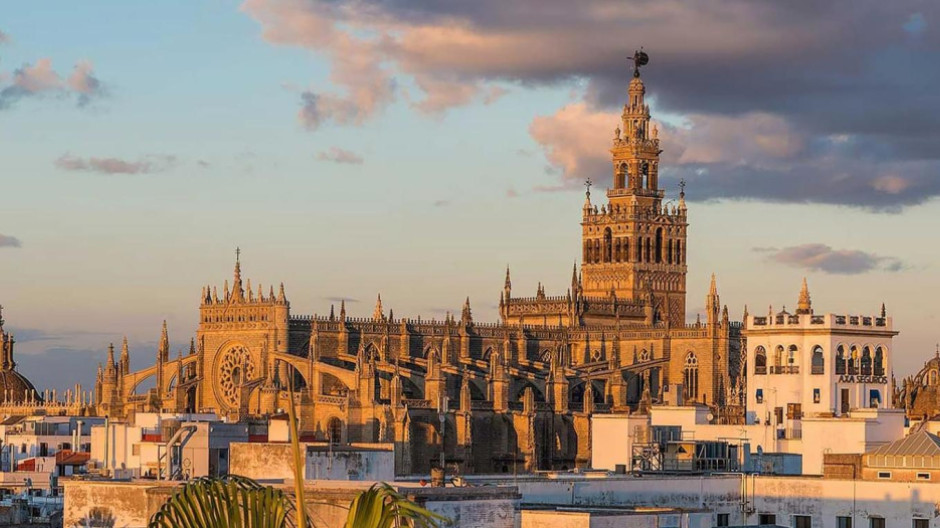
(110, 356)
(332, 316)
(805, 305)
(883, 312)
(682, 206)
(125, 357)
(281, 297)
(163, 353)
(192, 346)
(713, 288)
(378, 314)
(508, 284)
(466, 317)
(1, 318)
(342, 310)
(238, 294)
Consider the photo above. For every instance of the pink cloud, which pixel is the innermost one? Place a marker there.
(41, 79)
(150, 164)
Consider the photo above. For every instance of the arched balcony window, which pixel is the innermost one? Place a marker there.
(879, 367)
(819, 361)
(760, 360)
(866, 361)
(840, 360)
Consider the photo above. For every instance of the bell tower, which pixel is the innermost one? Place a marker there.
(634, 246)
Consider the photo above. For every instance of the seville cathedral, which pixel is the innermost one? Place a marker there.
(515, 395)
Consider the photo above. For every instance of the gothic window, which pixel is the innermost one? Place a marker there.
(853, 360)
(617, 250)
(587, 251)
(626, 250)
(760, 360)
(597, 251)
(879, 369)
(669, 253)
(840, 360)
(818, 360)
(690, 376)
(608, 243)
(778, 358)
(648, 247)
(639, 249)
(792, 355)
(866, 361)
(659, 245)
(334, 431)
(678, 252)
(236, 367)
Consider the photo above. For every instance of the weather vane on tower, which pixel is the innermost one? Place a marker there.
(639, 58)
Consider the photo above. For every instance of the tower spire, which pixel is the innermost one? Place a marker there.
(238, 293)
(164, 351)
(378, 314)
(804, 305)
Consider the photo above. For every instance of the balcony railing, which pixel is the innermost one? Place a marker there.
(818, 369)
(785, 369)
(760, 370)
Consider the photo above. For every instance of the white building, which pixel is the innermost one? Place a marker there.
(165, 444)
(808, 365)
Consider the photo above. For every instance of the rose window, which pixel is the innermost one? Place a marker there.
(235, 369)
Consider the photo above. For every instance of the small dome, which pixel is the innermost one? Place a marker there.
(15, 385)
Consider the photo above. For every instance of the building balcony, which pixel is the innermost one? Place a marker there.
(788, 369)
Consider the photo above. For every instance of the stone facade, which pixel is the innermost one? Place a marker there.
(513, 396)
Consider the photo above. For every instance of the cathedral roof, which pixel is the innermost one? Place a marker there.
(14, 384)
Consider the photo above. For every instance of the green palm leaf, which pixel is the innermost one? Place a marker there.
(382, 507)
(226, 502)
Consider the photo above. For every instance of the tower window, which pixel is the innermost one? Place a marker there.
(659, 245)
(608, 243)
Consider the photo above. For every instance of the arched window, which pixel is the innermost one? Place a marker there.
(853, 360)
(690, 376)
(866, 361)
(840, 360)
(617, 250)
(778, 359)
(608, 243)
(879, 362)
(587, 251)
(819, 361)
(679, 252)
(659, 245)
(648, 247)
(669, 253)
(626, 250)
(792, 355)
(760, 360)
(334, 431)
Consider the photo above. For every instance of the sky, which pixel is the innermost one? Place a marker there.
(414, 149)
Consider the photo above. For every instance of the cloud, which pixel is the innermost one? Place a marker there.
(441, 203)
(338, 155)
(835, 104)
(149, 164)
(916, 24)
(41, 80)
(9, 241)
(4, 38)
(512, 193)
(821, 257)
(341, 299)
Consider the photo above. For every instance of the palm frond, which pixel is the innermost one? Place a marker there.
(225, 502)
(382, 507)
